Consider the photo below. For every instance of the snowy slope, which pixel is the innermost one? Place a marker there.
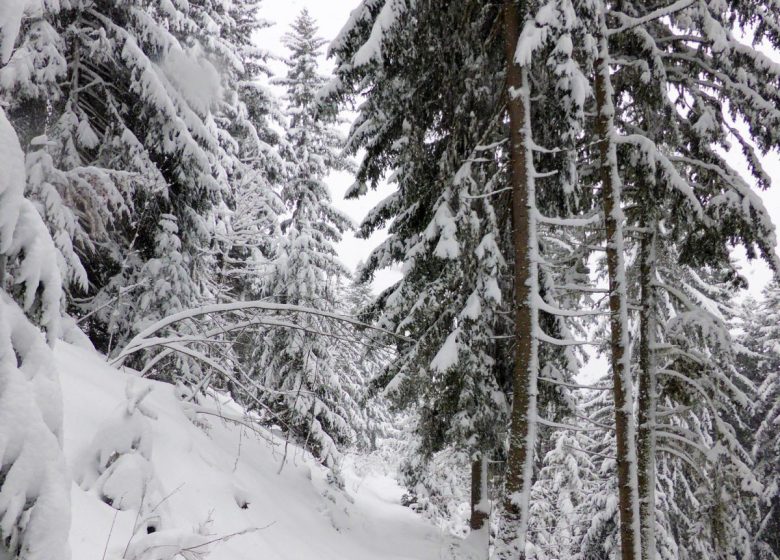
(202, 478)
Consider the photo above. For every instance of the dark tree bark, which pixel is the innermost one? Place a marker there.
(479, 511)
(647, 399)
(510, 543)
(619, 343)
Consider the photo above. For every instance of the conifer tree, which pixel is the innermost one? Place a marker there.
(451, 291)
(123, 107)
(452, 205)
(564, 483)
(297, 369)
(34, 489)
(611, 187)
(131, 112)
(760, 362)
(662, 154)
(725, 192)
(248, 228)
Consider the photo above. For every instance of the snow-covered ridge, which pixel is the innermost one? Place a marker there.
(180, 477)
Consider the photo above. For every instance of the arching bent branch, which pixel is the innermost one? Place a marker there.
(144, 339)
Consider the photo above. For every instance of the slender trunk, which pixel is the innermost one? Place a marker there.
(628, 501)
(510, 543)
(647, 399)
(480, 510)
(477, 545)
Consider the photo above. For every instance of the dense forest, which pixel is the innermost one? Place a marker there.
(569, 181)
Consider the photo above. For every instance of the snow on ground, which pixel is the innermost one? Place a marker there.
(183, 478)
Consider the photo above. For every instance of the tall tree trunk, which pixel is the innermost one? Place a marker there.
(479, 537)
(646, 403)
(510, 542)
(628, 500)
(480, 510)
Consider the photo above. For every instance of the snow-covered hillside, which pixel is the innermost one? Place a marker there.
(182, 477)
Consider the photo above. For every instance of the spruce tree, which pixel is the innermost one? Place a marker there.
(659, 155)
(565, 481)
(249, 113)
(297, 368)
(34, 488)
(760, 362)
(448, 299)
(646, 167)
(127, 122)
(451, 219)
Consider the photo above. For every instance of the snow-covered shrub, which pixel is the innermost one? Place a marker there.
(439, 489)
(119, 467)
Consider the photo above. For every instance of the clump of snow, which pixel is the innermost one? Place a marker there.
(117, 464)
(24, 239)
(33, 486)
(447, 356)
(196, 79)
(388, 17)
(11, 12)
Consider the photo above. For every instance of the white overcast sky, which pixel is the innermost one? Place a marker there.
(331, 16)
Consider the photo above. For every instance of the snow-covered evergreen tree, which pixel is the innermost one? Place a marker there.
(132, 136)
(674, 191)
(34, 489)
(247, 229)
(760, 362)
(449, 372)
(363, 360)
(297, 368)
(435, 115)
(130, 112)
(565, 481)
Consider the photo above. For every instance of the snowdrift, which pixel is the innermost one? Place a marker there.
(157, 477)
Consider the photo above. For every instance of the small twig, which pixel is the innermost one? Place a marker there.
(238, 453)
(590, 452)
(239, 422)
(284, 457)
(226, 537)
(108, 538)
(135, 522)
(166, 497)
(212, 541)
